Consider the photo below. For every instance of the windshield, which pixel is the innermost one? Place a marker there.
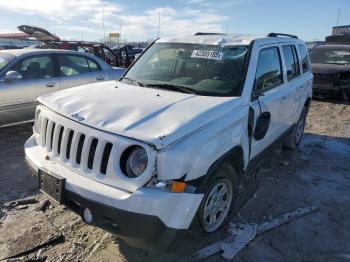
(330, 55)
(5, 59)
(193, 68)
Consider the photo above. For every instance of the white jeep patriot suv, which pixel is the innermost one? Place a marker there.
(169, 143)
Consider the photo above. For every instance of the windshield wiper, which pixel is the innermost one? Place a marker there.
(182, 89)
(133, 81)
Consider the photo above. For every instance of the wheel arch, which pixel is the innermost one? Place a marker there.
(234, 156)
(307, 103)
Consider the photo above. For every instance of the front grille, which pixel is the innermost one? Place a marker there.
(80, 148)
(92, 152)
(60, 134)
(105, 158)
(70, 145)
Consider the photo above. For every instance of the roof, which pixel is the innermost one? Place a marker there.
(211, 39)
(342, 26)
(19, 52)
(221, 39)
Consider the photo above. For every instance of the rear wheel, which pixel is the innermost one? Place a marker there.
(294, 139)
(218, 199)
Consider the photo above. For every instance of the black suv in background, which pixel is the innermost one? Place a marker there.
(331, 67)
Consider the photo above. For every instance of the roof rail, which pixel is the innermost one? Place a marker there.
(203, 33)
(281, 34)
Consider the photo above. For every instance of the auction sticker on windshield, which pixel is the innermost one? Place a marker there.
(207, 54)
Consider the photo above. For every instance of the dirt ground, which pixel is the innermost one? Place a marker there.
(317, 174)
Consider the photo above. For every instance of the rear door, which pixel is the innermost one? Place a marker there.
(75, 70)
(295, 81)
(271, 105)
(304, 84)
(17, 99)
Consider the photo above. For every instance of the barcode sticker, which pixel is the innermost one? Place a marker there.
(207, 54)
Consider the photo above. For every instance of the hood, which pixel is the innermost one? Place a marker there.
(38, 33)
(329, 69)
(159, 117)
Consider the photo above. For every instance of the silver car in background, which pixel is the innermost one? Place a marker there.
(26, 74)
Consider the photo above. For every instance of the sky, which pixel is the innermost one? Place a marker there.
(138, 19)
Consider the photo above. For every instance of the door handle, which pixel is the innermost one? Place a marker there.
(51, 84)
(283, 98)
(99, 78)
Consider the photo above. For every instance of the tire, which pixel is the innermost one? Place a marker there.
(219, 195)
(294, 139)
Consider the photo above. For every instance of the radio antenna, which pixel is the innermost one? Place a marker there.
(104, 41)
(158, 24)
(338, 16)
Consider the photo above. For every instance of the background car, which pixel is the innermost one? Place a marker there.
(128, 54)
(52, 41)
(8, 46)
(26, 74)
(331, 67)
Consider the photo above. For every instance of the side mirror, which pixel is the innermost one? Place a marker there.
(12, 75)
(255, 94)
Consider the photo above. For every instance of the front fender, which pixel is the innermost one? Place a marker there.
(195, 154)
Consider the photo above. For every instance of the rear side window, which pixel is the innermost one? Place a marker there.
(292, 62)
(73, 65)
(269, 71)
(304, 58)
(93, 65)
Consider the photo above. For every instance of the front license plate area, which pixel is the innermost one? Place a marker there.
(52, 186)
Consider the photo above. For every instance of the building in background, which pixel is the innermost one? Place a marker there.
(17, 38)
(339, 30)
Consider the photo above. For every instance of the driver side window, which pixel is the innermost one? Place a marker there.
(269, 70)
(35, 67)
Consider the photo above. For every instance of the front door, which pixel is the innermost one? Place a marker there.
(17, 99)
(270, 106)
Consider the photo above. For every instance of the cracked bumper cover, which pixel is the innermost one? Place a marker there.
(147, 218)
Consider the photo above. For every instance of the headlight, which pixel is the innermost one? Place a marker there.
(135, 161)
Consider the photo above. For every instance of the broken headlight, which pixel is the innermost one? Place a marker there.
(134, 161)
(342, 79)
(343, 76)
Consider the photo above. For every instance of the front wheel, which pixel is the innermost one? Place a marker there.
(218, 199)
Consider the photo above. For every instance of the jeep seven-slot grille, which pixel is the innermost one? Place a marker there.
(74, 146)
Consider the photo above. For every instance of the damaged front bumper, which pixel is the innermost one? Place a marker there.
(147, 218)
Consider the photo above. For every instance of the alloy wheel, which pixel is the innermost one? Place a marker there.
(217, 205)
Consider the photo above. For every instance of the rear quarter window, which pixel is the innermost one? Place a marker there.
(292, 61)
(305, 62)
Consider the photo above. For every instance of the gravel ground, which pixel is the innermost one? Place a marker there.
(317, 174)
